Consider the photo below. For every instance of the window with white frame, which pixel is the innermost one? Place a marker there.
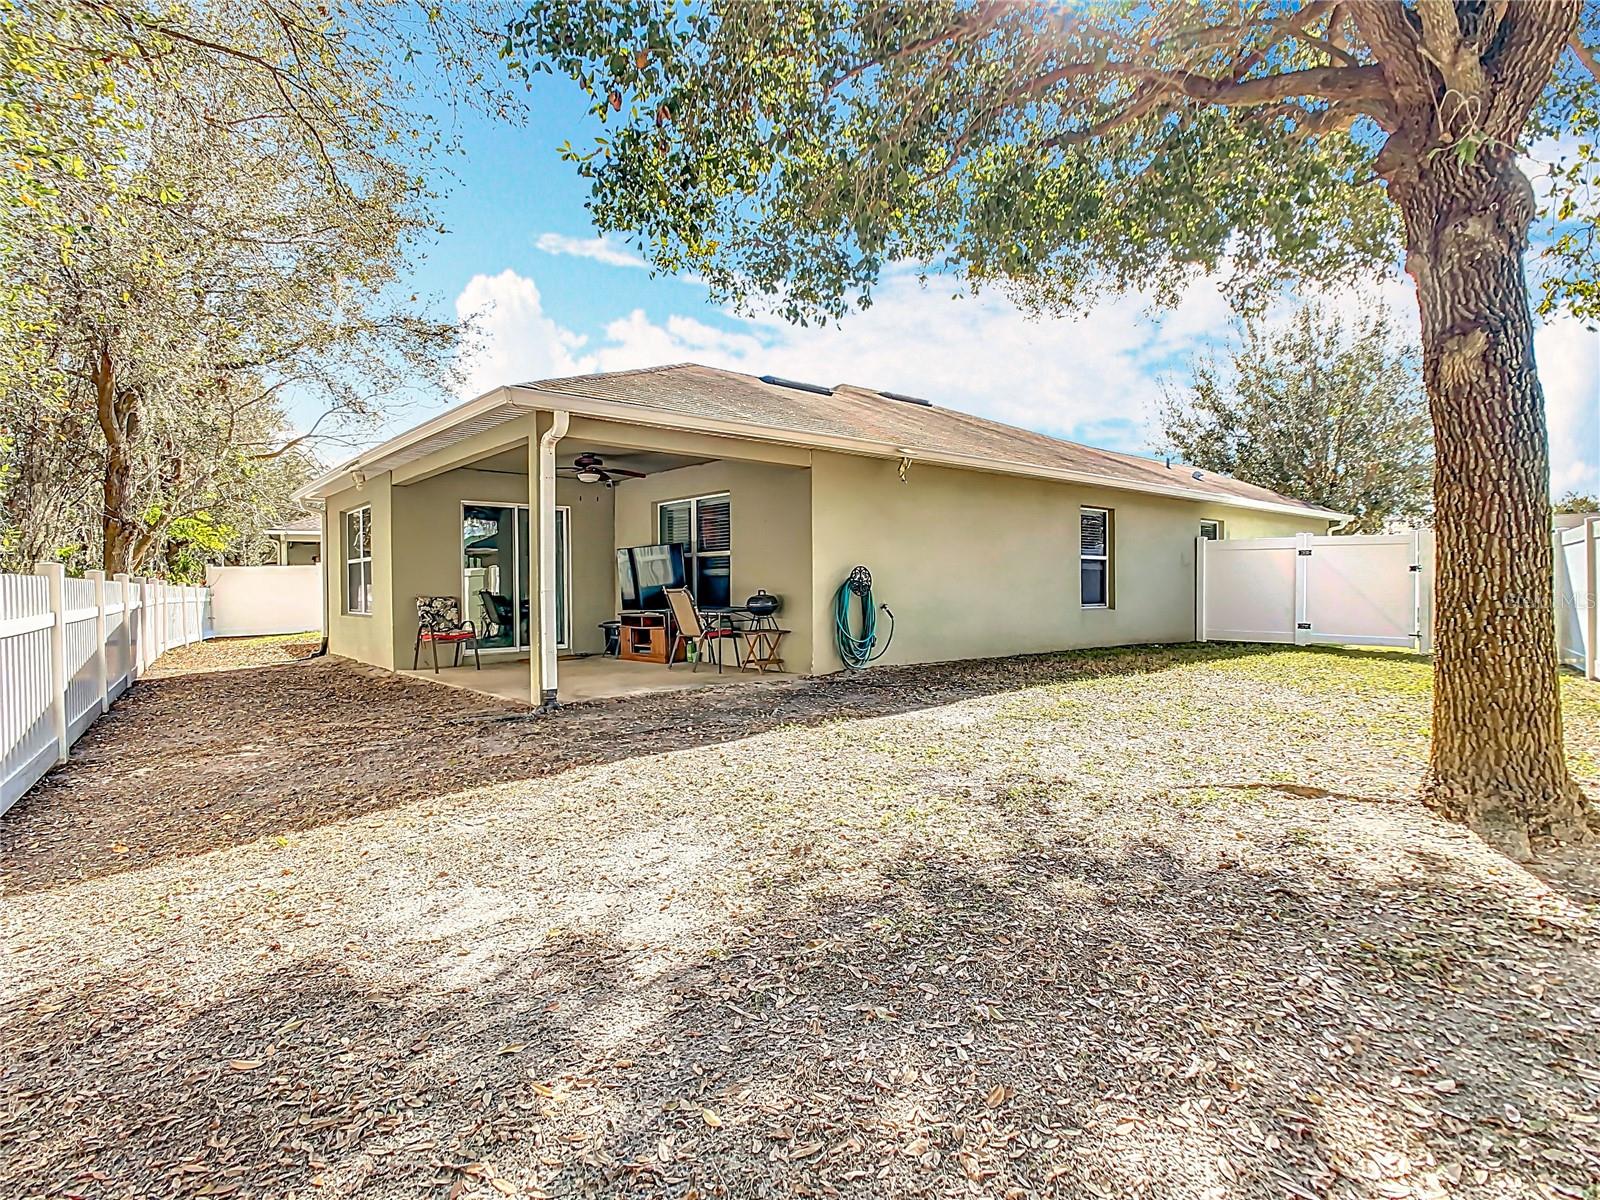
(1094, 557)
(703, 527)
(358, 561)
(1211, 530)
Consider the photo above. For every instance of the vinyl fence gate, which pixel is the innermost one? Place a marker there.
(1315, 589)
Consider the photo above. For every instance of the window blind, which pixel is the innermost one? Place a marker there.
(715, 532)
(676, 525)
(1093, 532)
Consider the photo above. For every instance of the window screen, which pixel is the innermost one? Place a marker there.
(358, 561)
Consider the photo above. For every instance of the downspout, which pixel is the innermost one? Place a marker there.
(547, 556)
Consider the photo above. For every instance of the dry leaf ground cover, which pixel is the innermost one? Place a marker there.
(1146, 923)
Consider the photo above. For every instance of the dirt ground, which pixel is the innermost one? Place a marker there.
(1146, 923)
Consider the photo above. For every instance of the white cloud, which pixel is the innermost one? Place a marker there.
(1094, 376)
(601, 249)
(1569, 367)
(515, 340)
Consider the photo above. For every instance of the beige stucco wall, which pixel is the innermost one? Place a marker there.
(974, 564)
(369, 639)
(770, 535)
(428, 513)
(593, 567)
(978, 565)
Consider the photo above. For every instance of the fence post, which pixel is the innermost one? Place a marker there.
(144, 624)
(101, 674)
(183, 601)
(56, 574)
(1200, 544)
(1591, 616)
(1302, 572)
(125, 659)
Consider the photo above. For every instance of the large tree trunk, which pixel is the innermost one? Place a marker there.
(1497, 761)
(119, 422)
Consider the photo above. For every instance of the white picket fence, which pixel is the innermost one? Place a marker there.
(68, 648)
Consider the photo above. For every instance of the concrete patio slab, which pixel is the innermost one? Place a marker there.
(590, 678)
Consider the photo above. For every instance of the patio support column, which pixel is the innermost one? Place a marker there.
(542, 557)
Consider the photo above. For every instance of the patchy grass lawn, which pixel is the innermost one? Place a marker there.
(1162, 923)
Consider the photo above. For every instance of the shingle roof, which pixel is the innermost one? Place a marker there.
(309, 523)
(847, 411)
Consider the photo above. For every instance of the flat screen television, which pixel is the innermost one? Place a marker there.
(644, 573)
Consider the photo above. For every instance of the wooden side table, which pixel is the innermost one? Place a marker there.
(762, 639)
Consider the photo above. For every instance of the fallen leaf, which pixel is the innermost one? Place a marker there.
(711, 1118)
(245, 1064)
(998, 1096)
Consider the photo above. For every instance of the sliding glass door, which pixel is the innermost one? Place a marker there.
(497, 575)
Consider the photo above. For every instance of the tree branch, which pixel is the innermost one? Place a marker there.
(1588, 57)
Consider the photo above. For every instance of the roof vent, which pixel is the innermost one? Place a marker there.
(797, 385)
(905, 399)
(1198, 474)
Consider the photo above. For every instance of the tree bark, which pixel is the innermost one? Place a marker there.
(119, 422)
(1497, 759)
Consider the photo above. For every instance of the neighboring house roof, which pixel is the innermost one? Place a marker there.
(300, 529)
(848, 418)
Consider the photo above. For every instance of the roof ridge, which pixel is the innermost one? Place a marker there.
(541, 384)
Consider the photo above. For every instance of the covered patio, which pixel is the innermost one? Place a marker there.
(526, 523)
(593, 677)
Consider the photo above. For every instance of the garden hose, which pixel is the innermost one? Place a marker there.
(857, 649)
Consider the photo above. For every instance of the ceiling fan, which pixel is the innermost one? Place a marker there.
(591, 468)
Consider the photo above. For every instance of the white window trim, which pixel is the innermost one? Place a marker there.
(693, 552)
(1222, 530)
(1105, 558)
(365, 513)
(564, 636)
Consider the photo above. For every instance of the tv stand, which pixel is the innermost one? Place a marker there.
(645, 635)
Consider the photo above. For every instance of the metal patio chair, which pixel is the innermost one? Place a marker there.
(439, 620)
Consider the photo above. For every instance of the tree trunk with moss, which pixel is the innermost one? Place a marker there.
(1497, 759)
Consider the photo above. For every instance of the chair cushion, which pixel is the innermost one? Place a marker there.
(439, 612)
(448, 635)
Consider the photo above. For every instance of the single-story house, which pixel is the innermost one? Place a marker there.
(984, 539)
(297, 542)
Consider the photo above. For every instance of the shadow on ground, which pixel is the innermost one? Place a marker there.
(193, 763)
(1063, 1020)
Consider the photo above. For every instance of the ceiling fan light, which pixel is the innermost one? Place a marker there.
(589, 475)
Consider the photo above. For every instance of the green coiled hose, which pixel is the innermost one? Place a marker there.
(856, 650)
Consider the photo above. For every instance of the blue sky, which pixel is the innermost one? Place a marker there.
(521, 257)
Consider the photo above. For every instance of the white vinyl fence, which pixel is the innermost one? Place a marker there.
(68, 648)
(1578, 596)
(1370, 590)
(255, 601)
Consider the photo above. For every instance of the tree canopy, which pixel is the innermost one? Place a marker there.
(789, 151)
(1329, 411)
(212, 213)
(795, 148)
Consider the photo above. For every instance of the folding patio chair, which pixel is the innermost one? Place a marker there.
(692, 628)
